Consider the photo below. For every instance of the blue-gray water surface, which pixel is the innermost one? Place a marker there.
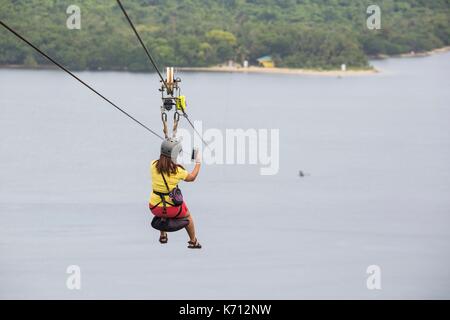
(375, 151)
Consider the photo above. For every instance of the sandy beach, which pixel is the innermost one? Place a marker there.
(314, 72)
(253, 69)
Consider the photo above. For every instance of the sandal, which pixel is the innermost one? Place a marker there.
(194, 244)
(163, 239)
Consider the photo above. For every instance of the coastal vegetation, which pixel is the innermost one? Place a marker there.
(317, 34)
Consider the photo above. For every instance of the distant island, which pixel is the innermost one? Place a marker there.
(312, 35)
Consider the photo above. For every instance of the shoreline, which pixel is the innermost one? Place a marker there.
(221, 69)
(254, 69)
(413, 54)
(315, 72)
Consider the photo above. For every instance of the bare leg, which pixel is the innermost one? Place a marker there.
(190, 228)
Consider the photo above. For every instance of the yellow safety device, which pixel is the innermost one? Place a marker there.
(181, 103)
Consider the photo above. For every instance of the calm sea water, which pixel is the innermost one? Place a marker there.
(74, 186)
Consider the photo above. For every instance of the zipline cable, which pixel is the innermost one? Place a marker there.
(156, 67)
(142, 44)
(78, 79)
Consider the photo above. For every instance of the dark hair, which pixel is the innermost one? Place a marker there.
(166, 165)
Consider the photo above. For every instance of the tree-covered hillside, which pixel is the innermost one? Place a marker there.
(296, 33)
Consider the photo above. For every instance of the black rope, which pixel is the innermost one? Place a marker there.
(189, 121)
(156, 67)
(142, 44)
(78, 79)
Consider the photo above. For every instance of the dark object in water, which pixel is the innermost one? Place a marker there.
(169, 225)
(303, 174)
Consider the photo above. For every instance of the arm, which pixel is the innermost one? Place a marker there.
(193, 175)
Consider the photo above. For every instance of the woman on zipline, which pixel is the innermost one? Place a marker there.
(166, 174)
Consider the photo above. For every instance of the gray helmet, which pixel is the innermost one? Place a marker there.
(171, 147)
